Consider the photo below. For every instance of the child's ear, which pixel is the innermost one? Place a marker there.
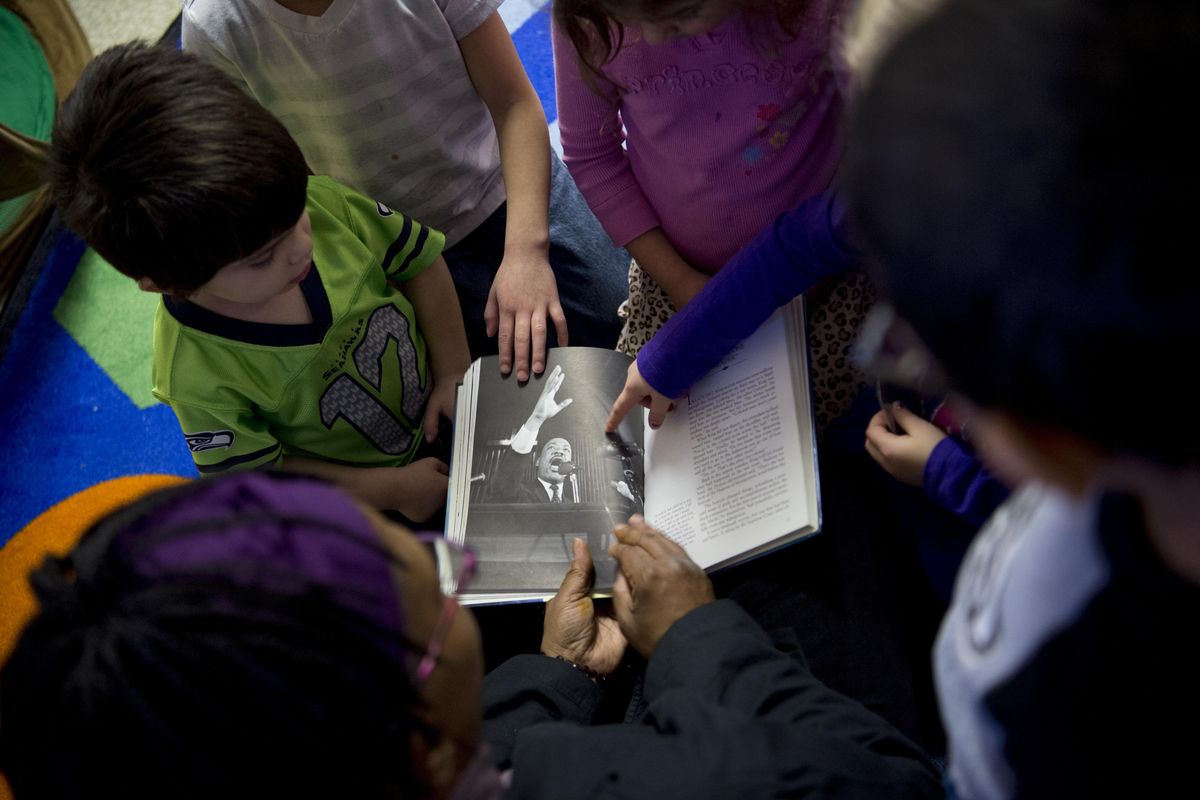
(147, 285)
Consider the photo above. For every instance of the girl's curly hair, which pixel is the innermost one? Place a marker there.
(597, 34)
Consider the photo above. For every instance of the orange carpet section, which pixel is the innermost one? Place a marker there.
(54, 532)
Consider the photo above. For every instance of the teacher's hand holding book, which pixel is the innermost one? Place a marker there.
(615, 474)
(638, 392)
(657, 585)
(572, 630)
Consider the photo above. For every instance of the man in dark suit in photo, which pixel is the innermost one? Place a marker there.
(555, 474)
(554, 469)
(554, 479)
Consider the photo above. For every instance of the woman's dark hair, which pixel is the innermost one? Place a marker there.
(1020, 172)
(597, 35)
(198, 685)
(169, 170)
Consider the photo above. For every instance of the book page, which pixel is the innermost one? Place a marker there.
(728, 471)
(533, 469)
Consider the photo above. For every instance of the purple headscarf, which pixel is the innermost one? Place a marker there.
(281, 533)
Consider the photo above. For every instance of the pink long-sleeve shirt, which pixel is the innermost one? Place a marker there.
(710, 137)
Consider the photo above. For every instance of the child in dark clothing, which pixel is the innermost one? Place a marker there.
(1016, 172)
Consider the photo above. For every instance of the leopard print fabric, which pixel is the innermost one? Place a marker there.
(836, 309)
(645, 311)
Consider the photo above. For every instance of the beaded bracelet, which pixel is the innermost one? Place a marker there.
(593, 675)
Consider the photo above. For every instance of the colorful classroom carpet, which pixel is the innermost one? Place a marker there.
(75, 400)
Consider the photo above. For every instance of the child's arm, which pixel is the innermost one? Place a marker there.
(439, 318)
(410, 255)
(227, 440)
(524, 292)
(639, 393)
(656, 255)
(959, 482)
(220, 438)
(416, 490)
(802, 246)
(925, 456)
(593, 136)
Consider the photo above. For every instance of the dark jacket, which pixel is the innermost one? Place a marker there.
(728, 716)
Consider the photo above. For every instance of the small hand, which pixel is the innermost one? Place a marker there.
(638, 392)
(572, 629)
(546, 406)
(523, 294)
(420, 489)
(440, 404)
(903, 456)
(657, 585)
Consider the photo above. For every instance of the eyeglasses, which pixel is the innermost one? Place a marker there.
(455, 567)
(888, 348)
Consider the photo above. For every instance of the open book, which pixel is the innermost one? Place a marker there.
(730, 475)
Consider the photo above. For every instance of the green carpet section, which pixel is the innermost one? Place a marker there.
(26, 93)
(113, 321)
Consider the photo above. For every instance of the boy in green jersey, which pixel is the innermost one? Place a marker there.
(302, 325)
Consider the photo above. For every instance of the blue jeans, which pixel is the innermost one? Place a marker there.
(591, 272)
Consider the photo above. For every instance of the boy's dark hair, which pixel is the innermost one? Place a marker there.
(201, 686)
(1023, 174)
(168, 170)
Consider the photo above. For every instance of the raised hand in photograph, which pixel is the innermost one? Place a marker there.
(554, 479)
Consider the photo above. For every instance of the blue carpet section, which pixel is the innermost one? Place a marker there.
(66, 425)
(533, 46)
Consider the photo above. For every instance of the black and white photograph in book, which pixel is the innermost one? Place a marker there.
(544, 472)
(730, 475)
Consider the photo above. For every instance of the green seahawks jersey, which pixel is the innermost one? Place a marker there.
(349, 387)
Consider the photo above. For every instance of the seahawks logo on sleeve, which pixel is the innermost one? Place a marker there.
(384, 211)
(208, 440)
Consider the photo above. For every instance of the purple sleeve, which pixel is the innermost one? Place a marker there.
(956, 480)
(801, 247)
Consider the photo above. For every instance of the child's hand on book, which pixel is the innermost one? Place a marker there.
(572, 629)
(440, 404)
(903, 456)
(638, 392)
(522, 296)
(420, 488)
(656, 586)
